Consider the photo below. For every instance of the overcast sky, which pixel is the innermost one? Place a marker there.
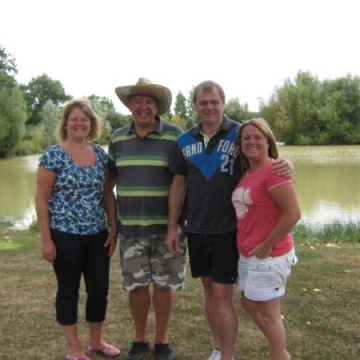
(248, 46)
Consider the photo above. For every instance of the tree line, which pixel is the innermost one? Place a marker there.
(303, 111)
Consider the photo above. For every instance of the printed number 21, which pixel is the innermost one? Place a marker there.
(227, 164)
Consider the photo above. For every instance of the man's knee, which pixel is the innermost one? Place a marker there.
(140, 290)
(222, 295)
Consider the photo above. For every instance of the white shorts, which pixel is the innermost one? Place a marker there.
(264, 279)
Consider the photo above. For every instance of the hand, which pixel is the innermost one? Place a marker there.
(111, 243)
(49, 251)
(172, 241)
(283, 167)
(261, 251)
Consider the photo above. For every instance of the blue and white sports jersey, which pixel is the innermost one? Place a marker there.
(212, 173)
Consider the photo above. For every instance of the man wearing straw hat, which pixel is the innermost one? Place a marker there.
(139, 156)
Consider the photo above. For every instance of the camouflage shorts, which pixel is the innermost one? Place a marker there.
(147, 259)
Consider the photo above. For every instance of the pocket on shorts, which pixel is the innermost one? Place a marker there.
(285, 265)
(261, 265)
(262, 273)
(292, 259)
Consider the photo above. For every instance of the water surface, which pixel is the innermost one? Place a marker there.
(326, 179)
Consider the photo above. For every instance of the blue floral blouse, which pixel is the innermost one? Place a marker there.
(76, 204)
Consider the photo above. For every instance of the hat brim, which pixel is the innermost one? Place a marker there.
(161, 93)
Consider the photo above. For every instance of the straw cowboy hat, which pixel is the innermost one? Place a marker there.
(145, 87)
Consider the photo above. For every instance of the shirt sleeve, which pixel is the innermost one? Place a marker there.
(177, 163)
(273, 181)
(49, 159)
(111, 163)
(103, 156)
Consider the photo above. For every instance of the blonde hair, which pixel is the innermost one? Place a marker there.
(264, 127)
(85, 106)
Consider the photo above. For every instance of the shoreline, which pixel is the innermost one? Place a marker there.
(335, 231)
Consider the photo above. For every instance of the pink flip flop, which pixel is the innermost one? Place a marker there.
(107, 351)
(76, 358)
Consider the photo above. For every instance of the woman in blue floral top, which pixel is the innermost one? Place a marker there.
(74, 204)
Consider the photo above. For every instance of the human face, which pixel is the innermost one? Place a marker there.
(209, 107)
(78, 125)
(143, 109)
(254, 144)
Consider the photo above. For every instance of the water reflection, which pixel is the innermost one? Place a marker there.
(17, 188)
(322, 154)
(326, 178)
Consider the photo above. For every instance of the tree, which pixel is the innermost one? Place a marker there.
(105, 109)
(8, 69)
(177, 120)
(180, 106)
(12, 120)
(12, 106)
(50, 118)
(293, 111)
(190, 110)
(118, 120)
(307, 111)
(185, 110)
(341, 109)
(235, 111)
(168, 116)
(101, 105)
(38, 92)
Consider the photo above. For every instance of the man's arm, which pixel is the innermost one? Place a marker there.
(176, 201)
(283, 167)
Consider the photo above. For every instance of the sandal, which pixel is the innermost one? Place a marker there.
(107, 350)
(76, 358)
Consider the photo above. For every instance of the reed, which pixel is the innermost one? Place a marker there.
(334, 232)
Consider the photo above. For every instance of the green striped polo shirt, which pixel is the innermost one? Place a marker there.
(141, 166)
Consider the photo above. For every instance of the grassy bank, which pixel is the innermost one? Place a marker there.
(336, 232)
(321, 309)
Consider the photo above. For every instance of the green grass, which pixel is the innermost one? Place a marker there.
(8, 244)
(10, 239)
(336, 231)
(321, 308)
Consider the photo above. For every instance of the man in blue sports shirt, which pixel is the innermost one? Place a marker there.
(206, 171)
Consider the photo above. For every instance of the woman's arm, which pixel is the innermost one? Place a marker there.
(45, 182)
(111, 211)
(285, 198)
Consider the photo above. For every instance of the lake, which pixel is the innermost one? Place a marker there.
(326, 179)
